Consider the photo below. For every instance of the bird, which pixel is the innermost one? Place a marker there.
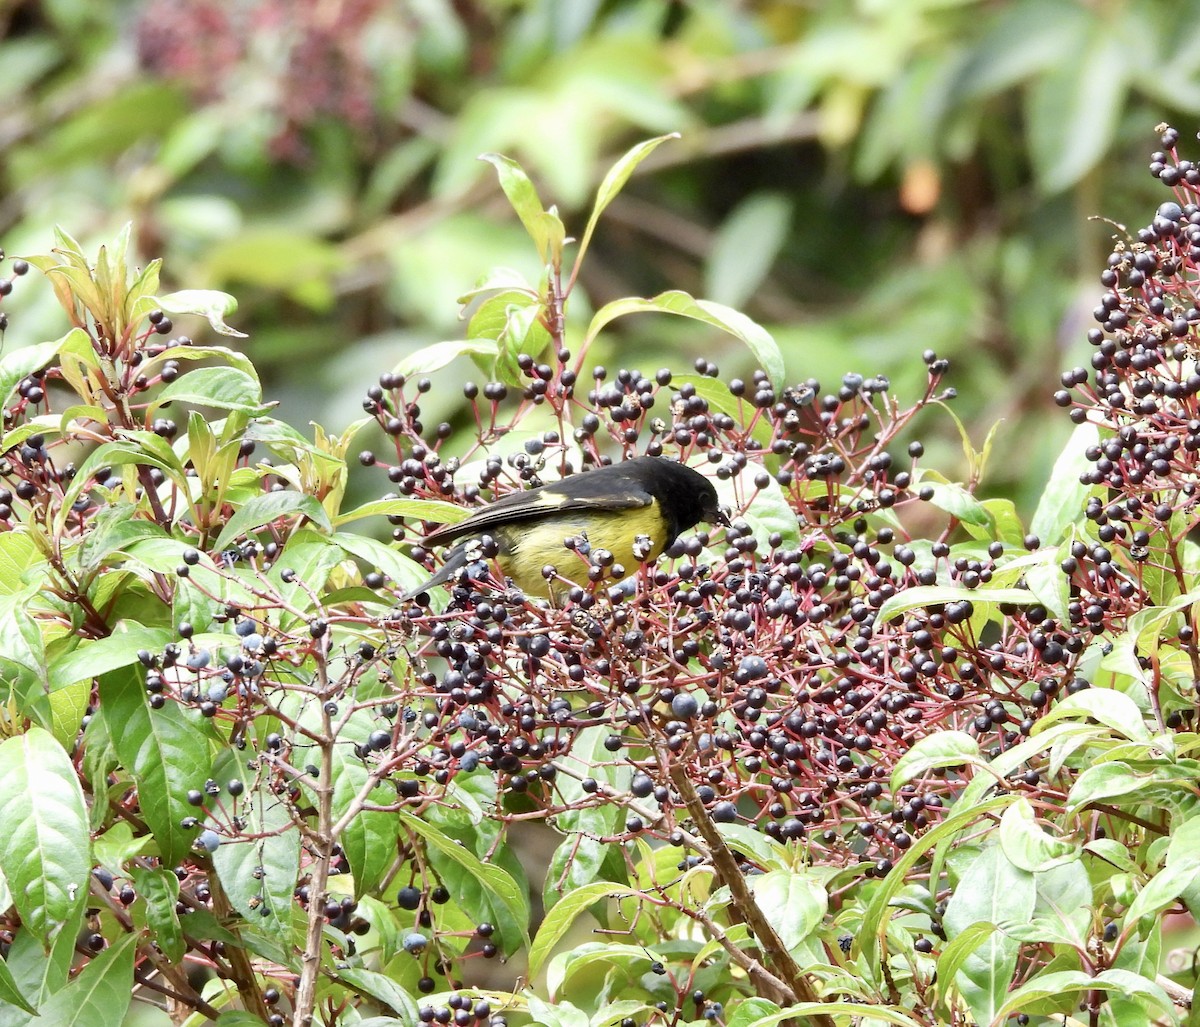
(633, 509)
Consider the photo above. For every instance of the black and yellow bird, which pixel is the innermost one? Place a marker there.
(633, 509)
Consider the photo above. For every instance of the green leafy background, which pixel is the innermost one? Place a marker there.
(865, 179)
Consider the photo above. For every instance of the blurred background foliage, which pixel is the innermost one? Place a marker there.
(867, 178)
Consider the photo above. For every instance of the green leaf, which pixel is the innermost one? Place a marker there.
(745, 247)
(757, 338)
(497, 883)
(93, 658)
(943, 749)
(10, 991)
(766, 510)
(38, 975)
(720, 400)
(18, 554)
(435, 357)
(224, 388)
(1073, 107)
(794, 903)
(613, 182)
(44, 847)
(20, 363)
(1057, 986)
(558, 1014)
(191, 353)
(100, 995)
(159, 891)
(922, 596)
(1109, 707)
(559, 920)
(751, 1010)
(957, 501)
(576, 863)
(1028, 847)
(384, 990)
(990, 890)
(405, 572)
(258, 872)
(960, 818)
(117, 454)
(523, 197)
(369, 837)
(1045, 579)
(1065, 496)
(956, 952)
(164, 751)
(1103, 782)
(264, 509)
(857, 1012)
(433, 510)
(210, 304)
(1163, 889)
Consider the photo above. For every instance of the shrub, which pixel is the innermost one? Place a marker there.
(874, 752)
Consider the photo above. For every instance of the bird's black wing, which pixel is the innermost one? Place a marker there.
(603, 492)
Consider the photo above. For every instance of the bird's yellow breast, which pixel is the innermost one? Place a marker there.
(527, 548)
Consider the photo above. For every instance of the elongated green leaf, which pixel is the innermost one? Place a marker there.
(746, 246)
(1073, 108)
(1105, 782)
(576, 863)
(405, 572)
(613, 182)
(1163, 889)
(856, 1011)
(165, 751)
(520, 192)
(944, 749)
(717, 315)
(383, 989)
(956, 952)
(991, 890)
(794, 902)
(22, 362)
(118, 454)
(960, 817)
(262, 510)
(1028, 847)
(1109, 707)
(159, 891)
(91, 659)
(210, 304)
(38, 974)
(923, 596)
(369, 837)
(559, 920)
(259, 873)
(1065, 496)
(10, 990)
(190, 353)
(44, 847)
(497, 883)
(100, 995)
(751, 1010)
(224, 388)
(1057, 985)
(1045, 579)
(425, 509)
(435, 357)
(958, 502)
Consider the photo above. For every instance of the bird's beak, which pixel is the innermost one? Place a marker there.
(718, 515)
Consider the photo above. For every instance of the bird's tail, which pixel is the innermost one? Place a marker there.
(456, 559)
